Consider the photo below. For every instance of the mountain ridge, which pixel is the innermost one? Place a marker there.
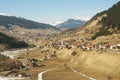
(13, 20)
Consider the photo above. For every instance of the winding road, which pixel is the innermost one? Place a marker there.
(41, 73)
(84, 75)
(75, 71)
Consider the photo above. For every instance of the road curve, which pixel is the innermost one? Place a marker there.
(41, 73)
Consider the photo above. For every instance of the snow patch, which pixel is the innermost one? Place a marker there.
(7, 78)
(56, 23)
(3, 14)
(83, 18)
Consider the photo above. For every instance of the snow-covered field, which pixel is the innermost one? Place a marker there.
(15, 53)
(7, 78)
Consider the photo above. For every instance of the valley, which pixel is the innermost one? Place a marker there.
(61, 62)
(81, 50)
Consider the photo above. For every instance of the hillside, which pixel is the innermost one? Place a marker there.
(24, 29)
(10, 42)
(8, 21)
(105, 23)
(100, 28)
(100, 66)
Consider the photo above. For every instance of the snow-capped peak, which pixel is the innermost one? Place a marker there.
(3, 14)
(56, 22)
(83, 18)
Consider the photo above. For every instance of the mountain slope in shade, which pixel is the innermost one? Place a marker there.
(10, 42)
(71, 23)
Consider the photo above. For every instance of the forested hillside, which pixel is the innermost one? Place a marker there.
(113, 17)
(10, 42)
(110, 23)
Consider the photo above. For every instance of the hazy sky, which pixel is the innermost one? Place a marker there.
(47, 11)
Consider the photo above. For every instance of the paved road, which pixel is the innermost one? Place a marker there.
(41, 73)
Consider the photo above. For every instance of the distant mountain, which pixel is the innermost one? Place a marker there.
(8, 21)
(71, 23)
(24, 29)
